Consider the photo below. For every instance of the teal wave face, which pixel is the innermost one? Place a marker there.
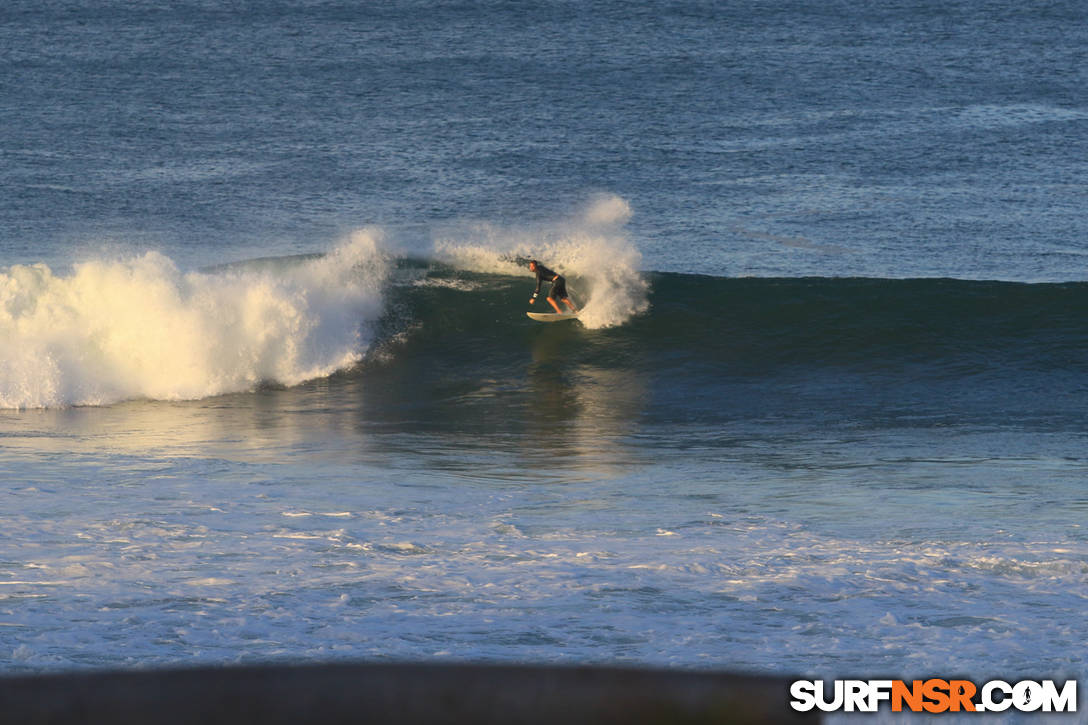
(757, 326)
(457, 350)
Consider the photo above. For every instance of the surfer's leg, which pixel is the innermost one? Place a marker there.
(568, 303)
(556, 306)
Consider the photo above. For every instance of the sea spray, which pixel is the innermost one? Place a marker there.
(592, 250)
(141, 328)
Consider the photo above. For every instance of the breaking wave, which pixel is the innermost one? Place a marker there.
(140, 328)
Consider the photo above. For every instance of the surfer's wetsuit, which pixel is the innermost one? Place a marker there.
(559, 285)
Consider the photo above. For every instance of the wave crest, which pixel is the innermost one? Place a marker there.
(592, 250)
(140, 328)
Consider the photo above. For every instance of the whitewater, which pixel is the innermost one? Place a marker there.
(140, 328)
(123, 329)
(268, 392)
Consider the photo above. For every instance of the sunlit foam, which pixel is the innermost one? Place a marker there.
(592, 251)
(140, 328)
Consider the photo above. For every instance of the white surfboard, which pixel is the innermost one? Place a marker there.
(552, 316)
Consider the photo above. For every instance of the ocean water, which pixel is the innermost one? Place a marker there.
(268, 393)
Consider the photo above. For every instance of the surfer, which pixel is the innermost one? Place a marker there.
(559, 286)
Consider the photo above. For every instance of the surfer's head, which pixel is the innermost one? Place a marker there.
(532, 265)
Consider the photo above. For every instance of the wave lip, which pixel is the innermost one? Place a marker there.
(140, 328)
(591, 250)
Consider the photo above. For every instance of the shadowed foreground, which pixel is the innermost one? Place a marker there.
(402, 694)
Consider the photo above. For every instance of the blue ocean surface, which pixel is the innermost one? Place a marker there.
(268, 391)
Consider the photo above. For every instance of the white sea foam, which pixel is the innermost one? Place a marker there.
(592, 250)
(140, 328)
